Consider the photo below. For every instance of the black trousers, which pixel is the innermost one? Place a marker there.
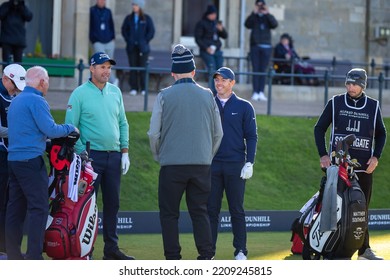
(365, 182)
(137, 77)
(28, 200)
(195, 182)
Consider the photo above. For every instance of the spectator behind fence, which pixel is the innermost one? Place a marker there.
(286, 56)
(138, 30)
(13, 16)
(208, 32)
(185, 133)
(102, 32)
(12, 82)
(29, 125)
(260, 21)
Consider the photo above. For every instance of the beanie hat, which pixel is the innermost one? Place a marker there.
(139, 3)
(259, 1)
(211, 9)
(357, 76)
(182, 60)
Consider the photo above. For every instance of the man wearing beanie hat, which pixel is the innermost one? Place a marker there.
(208, 32)
(354, 112)
(185, 133)
(12, 83)
(234, 160)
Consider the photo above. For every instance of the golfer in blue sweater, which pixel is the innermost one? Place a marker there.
(233, 163)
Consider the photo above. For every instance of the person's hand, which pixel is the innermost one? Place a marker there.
(125, 163)
(247, 171)
(325, 162)
(372, 164)
(219, 25)
(263, 9)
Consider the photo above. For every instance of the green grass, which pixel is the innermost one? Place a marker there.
(286, 175)
(286, 172)
(261, 246)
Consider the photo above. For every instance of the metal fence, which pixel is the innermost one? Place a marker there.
(328, 77)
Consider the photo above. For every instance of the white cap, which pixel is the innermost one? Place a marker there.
(17, 74)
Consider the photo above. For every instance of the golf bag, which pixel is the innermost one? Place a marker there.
(335, 218)
(300, 225)
(72, 225)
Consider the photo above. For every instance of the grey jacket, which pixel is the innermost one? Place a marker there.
(185, 127)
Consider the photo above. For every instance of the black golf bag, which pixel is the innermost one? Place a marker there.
(334, 221)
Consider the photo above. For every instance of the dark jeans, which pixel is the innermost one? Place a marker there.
(365, 182)
(28, 194)
(108, 167)
(260, 59)
(15, 51)
(137, 77)
(195, 181)
(213, 62)
(225, 177)
(3, 196)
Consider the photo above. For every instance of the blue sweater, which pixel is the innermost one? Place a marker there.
(239, 131)
(30, 124)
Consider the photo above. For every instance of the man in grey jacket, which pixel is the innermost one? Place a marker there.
(185, 133)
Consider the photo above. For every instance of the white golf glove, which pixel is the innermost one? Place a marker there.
(247, 171)
(125, 163)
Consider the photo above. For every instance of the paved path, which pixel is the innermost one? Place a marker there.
(58, 100)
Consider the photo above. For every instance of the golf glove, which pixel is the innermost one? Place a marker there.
(247, 171)
(125, 163)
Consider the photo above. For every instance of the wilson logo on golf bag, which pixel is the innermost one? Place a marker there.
(73, 230)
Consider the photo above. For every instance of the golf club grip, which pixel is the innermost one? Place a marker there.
(88, 147)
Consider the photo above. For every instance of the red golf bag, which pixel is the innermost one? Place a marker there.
(72, 225)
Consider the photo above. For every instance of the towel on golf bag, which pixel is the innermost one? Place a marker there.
(329, 202)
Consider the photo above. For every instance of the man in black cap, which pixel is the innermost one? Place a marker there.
(97, 108)
(185, 133)
(360, 114)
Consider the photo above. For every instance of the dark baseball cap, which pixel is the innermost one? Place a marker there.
(100, 58)
(225, 72)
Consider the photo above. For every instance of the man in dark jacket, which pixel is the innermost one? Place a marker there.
(13, 15)
(260, 21)
(360, 114)
(208, 32)
(233, 163)
(11, 83)
(102, 32)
